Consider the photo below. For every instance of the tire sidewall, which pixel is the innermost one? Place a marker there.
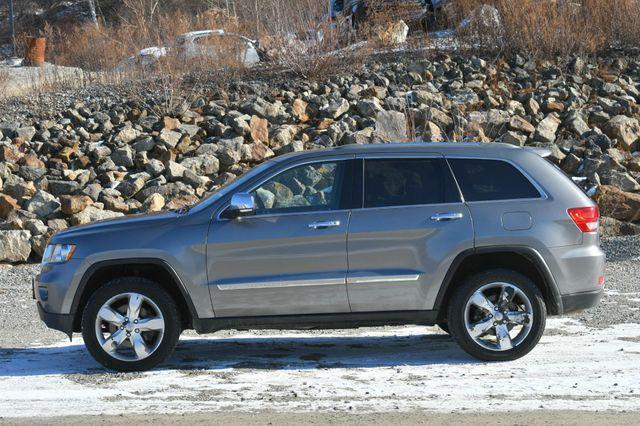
(147, 288)
(457, 313)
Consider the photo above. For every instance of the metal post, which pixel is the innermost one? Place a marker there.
(12, 29)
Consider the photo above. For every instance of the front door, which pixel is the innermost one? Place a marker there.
(290, 257)
(401, 242)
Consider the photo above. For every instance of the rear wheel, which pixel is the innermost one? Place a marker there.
(130, 324)
(497, 315)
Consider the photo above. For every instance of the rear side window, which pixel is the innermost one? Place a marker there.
(407, 182)
(490, 180)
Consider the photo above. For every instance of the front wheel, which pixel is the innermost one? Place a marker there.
(130, 324)
(497, 315)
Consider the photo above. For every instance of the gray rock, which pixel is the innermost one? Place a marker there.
(464, 96)
(26, 133)
(337, 107)
(35, 226)
(126, 135)
(547, 128)
(63, 187)
(621, 180)
(576, 124)
(92, 214)
(122, 157)
(229, 156)
(143, 144)
(391, 125)
(369, 107)
(31, 173)
(154, 167)
(43, 204)
(514, 138)
(174, 171)
(202, 164)
(169, 138)
(15, 246)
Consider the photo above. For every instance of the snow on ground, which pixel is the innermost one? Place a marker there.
(375, 370)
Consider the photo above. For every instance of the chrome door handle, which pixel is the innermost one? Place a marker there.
(324, 225)
(441, 217)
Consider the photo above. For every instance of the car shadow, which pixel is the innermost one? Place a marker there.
(268, 352)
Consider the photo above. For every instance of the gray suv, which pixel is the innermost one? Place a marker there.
(484, 240)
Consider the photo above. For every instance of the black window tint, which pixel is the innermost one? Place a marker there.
(484, 180)
(407, 182)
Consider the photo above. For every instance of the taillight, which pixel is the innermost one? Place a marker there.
(585, 218)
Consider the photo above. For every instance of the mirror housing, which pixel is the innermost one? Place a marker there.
(242, 204)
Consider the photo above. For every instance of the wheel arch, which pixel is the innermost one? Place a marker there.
(525, 260)
(156, 270)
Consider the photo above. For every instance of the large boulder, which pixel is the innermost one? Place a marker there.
(391, 126)
(547, 128)
(626, 130)
(618, 204)
(43, 204)
(72, 204)
(92, 214)
(15, 246)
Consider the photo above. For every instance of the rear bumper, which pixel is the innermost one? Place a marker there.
(579, 301)
(61, 322)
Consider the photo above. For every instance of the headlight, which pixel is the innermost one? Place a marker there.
(58, 253)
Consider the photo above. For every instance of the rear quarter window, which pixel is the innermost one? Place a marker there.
(491, 180)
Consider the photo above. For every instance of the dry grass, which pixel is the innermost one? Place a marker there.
(4, 80)
(547, 28)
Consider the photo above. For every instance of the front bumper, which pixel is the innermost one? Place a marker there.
(583, 300)
(61, 322)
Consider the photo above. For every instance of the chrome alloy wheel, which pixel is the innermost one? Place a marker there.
(129, 327)
(498, 316)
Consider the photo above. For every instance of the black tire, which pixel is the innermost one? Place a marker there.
(149, 289)
(444, 326)
(456, 314)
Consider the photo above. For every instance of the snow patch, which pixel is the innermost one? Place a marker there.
(368, 370)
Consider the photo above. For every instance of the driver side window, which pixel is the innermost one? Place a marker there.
(305, 188)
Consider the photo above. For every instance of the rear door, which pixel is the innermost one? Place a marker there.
(410, 226)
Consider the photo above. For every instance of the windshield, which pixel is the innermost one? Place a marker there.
(231, 186)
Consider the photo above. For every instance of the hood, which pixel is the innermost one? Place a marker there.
(120, 224)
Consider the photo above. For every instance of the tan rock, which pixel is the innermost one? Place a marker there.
(259, 129)
(170, 123)
(31, 160)
(153, 203)
(72, 204)
(300, 110)
(625, 129)
(618, 204)
(8, 204)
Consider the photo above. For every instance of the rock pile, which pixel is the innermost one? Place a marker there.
(107, 159)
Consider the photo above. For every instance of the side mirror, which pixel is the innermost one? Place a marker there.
(242, 204)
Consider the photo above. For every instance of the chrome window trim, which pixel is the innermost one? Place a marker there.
(267, 216)
(543, 194)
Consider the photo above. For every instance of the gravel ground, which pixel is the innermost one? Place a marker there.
(21, 327)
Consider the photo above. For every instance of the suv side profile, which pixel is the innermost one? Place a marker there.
(484, 240)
